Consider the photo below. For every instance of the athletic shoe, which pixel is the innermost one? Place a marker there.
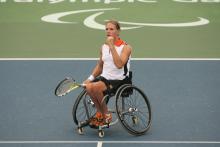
(108, 118)
(96, 120)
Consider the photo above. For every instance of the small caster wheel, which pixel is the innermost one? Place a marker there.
(80, 130)
(101, 133)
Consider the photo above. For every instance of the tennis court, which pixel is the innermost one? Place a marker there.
(176, 60)
(184, 96)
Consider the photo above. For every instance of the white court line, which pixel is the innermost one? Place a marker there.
(99, 143)
(147, 59)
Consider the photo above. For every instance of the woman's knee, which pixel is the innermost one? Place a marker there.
(89, 88)
(97, 87)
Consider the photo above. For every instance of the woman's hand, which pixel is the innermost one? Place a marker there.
(110, 41)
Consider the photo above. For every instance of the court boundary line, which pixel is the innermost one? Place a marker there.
(85, 59)
(110, 142)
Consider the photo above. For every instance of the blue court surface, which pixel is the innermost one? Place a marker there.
(184, 95)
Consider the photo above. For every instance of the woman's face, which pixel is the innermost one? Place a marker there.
(111, 30)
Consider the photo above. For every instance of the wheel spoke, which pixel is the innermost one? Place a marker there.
(135, 113)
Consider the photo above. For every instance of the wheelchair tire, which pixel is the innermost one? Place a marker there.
(133, 110)
(83, 108)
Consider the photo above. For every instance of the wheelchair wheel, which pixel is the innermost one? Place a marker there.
(83, 108)
(133, 110)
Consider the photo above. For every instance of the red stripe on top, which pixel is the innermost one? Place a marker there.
(120, 42)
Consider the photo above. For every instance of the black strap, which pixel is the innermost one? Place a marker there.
(125, 69)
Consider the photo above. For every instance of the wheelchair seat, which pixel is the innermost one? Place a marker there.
(111, 92)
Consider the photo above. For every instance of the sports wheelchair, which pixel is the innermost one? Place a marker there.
(132, 109)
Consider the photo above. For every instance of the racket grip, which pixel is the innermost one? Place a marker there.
(83, 85)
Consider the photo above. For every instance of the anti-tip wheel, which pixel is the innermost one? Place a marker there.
(101, 133)
(80, 130)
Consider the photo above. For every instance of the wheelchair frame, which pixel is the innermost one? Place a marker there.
(123, 92)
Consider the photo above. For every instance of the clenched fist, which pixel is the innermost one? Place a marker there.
(110, 41)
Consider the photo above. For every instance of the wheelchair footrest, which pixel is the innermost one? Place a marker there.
(83, 124)
(103, 126)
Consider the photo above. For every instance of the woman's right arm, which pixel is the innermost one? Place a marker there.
(97, 70)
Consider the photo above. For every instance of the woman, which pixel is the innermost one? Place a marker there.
(111, 71)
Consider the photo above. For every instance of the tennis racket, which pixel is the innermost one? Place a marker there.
(67, 85)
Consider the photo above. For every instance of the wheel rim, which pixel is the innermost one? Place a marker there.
(134, 111)
(84, 110)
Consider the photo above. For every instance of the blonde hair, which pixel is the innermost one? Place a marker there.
(114, 22)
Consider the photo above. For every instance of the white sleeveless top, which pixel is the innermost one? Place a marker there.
(110, 71)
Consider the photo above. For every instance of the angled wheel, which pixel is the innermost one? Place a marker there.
(83, 109)
(101, 133)
(133, 110)
(80, 130)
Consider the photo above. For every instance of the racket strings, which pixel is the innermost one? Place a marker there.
(65, 87)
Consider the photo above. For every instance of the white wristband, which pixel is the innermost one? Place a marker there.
(91, 78)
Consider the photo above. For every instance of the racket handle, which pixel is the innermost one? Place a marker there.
(83, 85)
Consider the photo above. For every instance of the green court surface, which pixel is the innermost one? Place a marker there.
(23, 34)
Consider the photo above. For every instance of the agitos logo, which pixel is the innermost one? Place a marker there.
(91, 23)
